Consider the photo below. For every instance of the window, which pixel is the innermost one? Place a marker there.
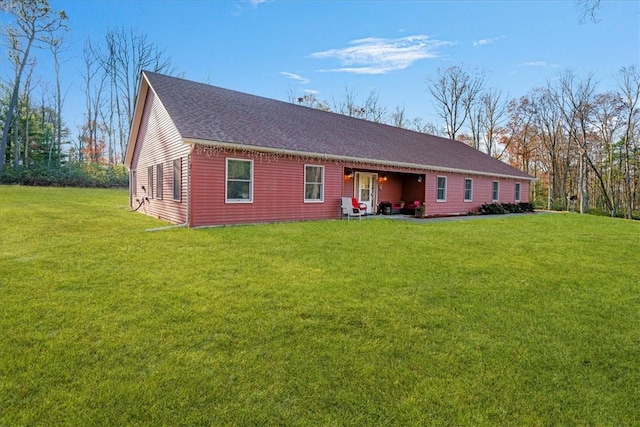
(496, 191)
(313, 183)
(441, 193)
(239, 181)
(159, 176)
(517, 191)
(468, 189)
(134, 183)
(150, 181)
(177, 179)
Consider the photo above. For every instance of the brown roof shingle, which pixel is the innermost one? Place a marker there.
(210, 113)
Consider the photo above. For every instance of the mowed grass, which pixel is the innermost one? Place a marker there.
(521, 320)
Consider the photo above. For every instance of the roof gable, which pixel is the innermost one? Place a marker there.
(211, 114)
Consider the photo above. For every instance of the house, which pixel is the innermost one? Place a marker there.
(201, 155)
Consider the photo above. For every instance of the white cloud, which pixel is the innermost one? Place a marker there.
(484, 42)
(379, 56)
(536, 64)
(311, 91)
(257, 3)
(295, 77)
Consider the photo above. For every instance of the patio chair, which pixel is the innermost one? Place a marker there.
(349, 209)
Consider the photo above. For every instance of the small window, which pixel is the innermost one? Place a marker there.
(496, 191)
(177, 179)
(150, 181)
(517, 191)
(468, 190)
(441, 195)
(239, 181)
(134, 183)
(313, 183)
(159, 176)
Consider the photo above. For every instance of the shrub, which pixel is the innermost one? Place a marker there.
(504, 208)
(74, 175)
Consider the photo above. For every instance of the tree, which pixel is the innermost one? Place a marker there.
(34, 23)
(575, 100)
(454, 91)
(370, 109)
(588, 9)
(629, 83)
(123, 57)
(57, 45)
(494, 110)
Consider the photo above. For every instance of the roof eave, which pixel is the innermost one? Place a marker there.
(334, 157)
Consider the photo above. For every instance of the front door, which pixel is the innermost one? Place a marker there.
(366, 190)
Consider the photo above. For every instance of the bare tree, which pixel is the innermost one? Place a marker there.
(398, 117)
(123, 57)
(35, 21)
(370, 109)
(454, 91)
(57, 46)
(308, 100)
(94, 84)
(629, 83)
(494, 107)
(28, 87)
(575, 99)
(588, 9)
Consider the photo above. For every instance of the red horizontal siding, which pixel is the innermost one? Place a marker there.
(278, 191)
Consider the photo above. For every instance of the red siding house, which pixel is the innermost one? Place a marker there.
(200, 155)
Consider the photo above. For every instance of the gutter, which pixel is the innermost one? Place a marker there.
(346, 159)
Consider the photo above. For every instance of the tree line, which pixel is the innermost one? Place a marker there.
(582, 145)
(37, 146)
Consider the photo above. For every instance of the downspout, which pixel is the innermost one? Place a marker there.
(188, 220)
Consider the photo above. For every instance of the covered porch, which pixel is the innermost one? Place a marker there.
(384, 191)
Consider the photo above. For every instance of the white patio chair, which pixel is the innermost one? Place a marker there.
(349, 210)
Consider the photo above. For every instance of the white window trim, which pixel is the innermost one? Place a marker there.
(492, 191)
(159, 177)
(226, 182)
(517, 196)
(150, 182)
(176, 197)
(464, 190)
(444, 199)
(304, 187)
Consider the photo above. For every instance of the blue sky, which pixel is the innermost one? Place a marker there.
(268, 48)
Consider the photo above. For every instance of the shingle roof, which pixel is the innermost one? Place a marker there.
(209, 113)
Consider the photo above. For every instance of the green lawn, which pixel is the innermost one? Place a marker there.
(521, 320)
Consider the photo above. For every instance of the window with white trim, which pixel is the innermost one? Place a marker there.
(134, 183)
(313, 183)
(441, 189)
(177, 179)
(495, 195)
(159, 176)
(150, 181)
(517, 191)
(239, 177)
(468, 189)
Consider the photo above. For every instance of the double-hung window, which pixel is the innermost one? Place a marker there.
(468, 190)
(134, 183)
(150, 181)
(239, 187)
(495, 196)
(313, 183)
(177, 179)
(441, 190)
(159, 176)
(517, 191)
